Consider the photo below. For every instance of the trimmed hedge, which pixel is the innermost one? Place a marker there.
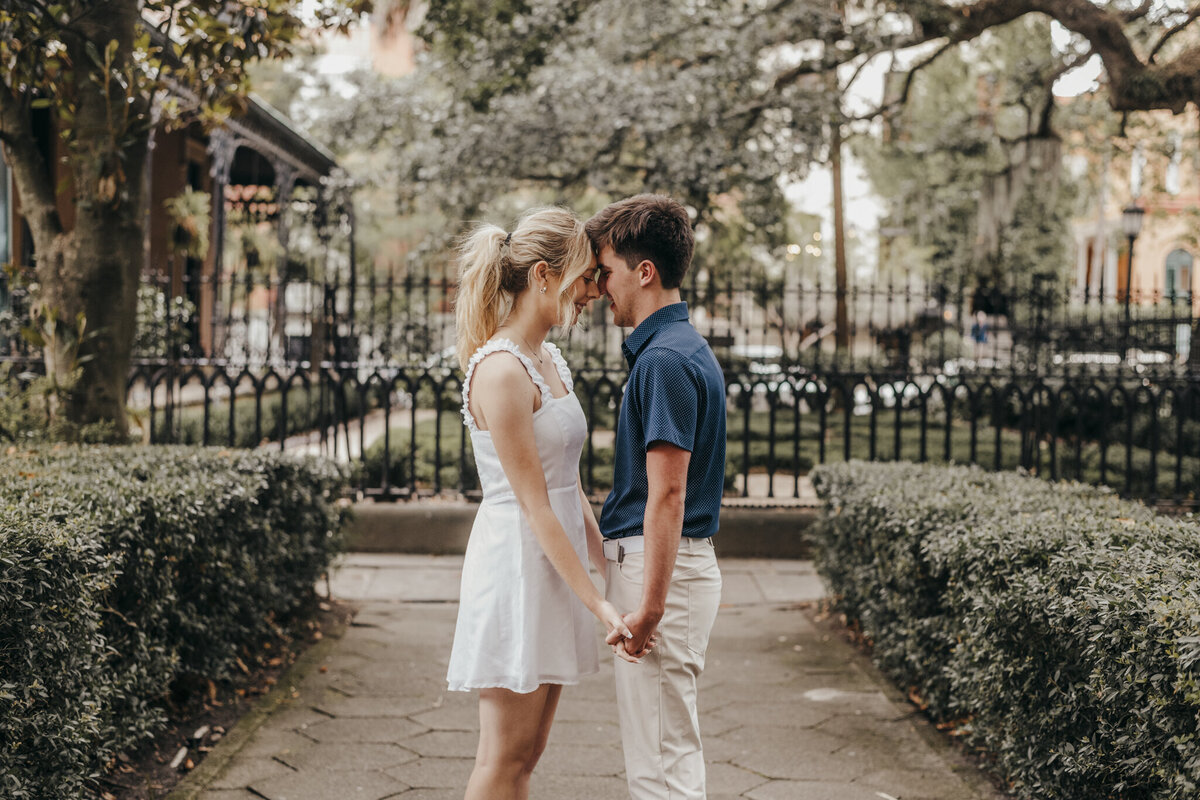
(1056, 626)
(124, 570)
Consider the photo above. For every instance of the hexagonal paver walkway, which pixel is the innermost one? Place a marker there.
(788, 709)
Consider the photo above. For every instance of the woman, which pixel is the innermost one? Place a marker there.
(523, 629)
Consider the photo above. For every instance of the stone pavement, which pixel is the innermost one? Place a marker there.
(788, 710)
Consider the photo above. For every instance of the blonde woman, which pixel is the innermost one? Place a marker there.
(523, 628)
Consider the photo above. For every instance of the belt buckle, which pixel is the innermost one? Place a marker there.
(620, 553)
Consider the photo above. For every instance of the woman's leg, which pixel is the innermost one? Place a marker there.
(554, 692)
(513, 729)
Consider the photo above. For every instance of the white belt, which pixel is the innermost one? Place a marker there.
(617, 549)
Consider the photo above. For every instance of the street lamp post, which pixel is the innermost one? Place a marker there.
(1131, 221)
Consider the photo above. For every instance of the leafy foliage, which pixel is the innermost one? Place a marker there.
(970, 167)
(706, 99)
(123, 570)
(571, 98)
(33, 406)
(1054, 626)
(31, 410)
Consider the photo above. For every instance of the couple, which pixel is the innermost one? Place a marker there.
(523, 628)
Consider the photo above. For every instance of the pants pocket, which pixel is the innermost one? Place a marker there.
(633, 568)
(704, 598)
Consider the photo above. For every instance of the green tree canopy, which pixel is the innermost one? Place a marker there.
(586, 99)
(600, 96)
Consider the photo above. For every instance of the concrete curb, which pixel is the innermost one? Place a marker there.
(216, 762)
(442, 528)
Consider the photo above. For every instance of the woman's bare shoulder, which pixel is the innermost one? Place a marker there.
(501, 370)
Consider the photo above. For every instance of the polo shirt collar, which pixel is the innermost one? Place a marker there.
(642, 334)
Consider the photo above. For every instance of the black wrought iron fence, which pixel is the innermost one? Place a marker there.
(756, 320)
(402, 427)
(359, 365)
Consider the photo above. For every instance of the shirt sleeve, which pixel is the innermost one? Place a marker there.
(668, 398)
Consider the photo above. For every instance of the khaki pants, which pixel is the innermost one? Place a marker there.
(656, 700)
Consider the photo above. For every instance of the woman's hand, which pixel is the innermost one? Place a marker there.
(619, 634)
(616, 630)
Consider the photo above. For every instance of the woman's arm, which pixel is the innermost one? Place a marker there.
(595, 541)
(505, 396)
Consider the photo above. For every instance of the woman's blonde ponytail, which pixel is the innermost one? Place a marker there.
(494, 268)
(480, 304)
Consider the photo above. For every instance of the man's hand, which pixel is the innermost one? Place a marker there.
(644, 627)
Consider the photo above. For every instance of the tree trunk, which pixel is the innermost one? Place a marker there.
(99, 270)
(842, 334)
(1193, 359)
(90, 270)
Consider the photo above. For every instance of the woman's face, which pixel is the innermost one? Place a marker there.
(585, 290)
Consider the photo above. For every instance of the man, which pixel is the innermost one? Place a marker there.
(668, 477)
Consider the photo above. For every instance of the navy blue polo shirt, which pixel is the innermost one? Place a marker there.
(675, 394)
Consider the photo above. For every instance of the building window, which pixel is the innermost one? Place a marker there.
(1179, 273)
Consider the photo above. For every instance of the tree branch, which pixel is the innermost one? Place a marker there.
(1133, 15)
(906, 89)
(1133, 85)
(1170, 32)
(30, 170)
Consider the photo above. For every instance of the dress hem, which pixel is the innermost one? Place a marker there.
(469, 687)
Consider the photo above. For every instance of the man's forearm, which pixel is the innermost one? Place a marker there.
(662, 527)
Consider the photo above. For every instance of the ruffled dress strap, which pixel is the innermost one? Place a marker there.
(496, 346)
(560, 364)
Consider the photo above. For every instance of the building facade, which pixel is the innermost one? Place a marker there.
(1158, 169)
(270, 202)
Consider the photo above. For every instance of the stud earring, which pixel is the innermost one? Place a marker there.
(543, 288)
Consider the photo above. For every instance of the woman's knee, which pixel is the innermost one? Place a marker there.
(503, 768)
(535, 755)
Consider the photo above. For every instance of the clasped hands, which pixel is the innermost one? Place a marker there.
(637, 640)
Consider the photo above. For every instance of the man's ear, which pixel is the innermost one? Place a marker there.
(647, 272)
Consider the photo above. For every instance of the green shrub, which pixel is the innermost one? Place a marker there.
(1057, 626)
(126, 570)
(32, 410)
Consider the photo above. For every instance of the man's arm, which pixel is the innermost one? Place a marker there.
(666, 470)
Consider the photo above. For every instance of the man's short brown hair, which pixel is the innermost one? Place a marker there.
(647, 227)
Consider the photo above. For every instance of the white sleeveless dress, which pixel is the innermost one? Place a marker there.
(519, 624)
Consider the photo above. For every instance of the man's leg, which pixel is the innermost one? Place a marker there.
(657, 699)
(638, 702)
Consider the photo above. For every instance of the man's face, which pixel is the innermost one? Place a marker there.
(619, 284)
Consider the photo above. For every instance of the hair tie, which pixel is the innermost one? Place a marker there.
(507, 239)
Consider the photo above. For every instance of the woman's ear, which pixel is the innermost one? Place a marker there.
(540, 272)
